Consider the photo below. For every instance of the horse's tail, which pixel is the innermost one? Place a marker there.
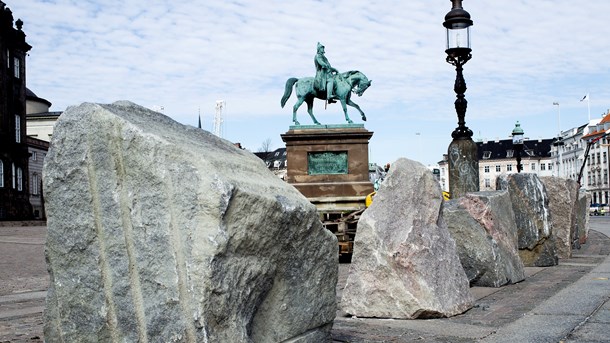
(288, 90)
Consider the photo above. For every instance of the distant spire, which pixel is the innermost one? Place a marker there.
(199, 118)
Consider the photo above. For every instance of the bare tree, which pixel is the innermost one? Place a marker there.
(265, 146)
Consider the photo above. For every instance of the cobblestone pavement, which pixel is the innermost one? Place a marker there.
(23, 283)
(24, 280)
(497, 307)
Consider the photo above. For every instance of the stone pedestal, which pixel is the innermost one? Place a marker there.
(463, 167)
(329, 164)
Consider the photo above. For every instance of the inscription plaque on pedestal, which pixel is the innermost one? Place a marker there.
(329, 163)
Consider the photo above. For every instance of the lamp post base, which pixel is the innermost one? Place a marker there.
(463, 167)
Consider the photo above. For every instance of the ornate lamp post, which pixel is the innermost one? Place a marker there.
(518, 144)
(463, 156)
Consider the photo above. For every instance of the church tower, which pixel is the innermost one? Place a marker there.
(14, 186)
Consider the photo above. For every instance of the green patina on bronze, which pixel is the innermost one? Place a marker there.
(329, 85)
(328, 126)
(327, 162)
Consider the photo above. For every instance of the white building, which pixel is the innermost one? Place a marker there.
(498, 157)
(595, 177)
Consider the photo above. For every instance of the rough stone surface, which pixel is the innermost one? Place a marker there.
(163, 232)
(534, 227)
(405, 263)
(582, 218)
(563, 197)
(484, 229)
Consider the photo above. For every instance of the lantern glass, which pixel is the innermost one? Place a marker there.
(458, 38)
(518, 139)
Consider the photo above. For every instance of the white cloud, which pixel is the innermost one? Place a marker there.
(186, 55)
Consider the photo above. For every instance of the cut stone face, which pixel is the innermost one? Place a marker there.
(405, 263)
(531, 206)
(484, 229)
(563, 206)
(163, 232)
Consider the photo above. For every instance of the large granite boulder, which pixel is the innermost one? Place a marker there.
(582, 217)
(534, 227)
(405, 263)
(484, 229)
(163, 232)
(563, 197)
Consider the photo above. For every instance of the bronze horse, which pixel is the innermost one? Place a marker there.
(345, 83)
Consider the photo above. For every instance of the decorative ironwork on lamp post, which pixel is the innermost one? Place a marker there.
(463, 154)
(518, 144)
(457, 22)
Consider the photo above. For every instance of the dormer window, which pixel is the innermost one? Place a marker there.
(509, 153)
(486, 155)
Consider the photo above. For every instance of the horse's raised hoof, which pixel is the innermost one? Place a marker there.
(350, 121)
(296, 122)
(364, 118)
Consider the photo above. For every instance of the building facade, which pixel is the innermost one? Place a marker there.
(38, 151)
(40, 121)
(498, 157)
(14, 155)
(596, 177)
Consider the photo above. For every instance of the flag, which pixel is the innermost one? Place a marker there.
(200, 121)
(586, 97)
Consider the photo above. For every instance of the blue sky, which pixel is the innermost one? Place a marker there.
(185, 56)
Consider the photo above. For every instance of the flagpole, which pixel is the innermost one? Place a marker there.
(589, 107)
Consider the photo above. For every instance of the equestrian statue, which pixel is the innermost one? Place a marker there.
(329, 85)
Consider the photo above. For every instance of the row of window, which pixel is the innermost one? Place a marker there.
(595, 159)
(509, 167)
(16, 176)
(509, 153)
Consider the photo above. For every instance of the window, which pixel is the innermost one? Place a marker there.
(509, 167)
(487, 169)
(542, 166)
(550, 166)
(284, 153)
(34, 155)
(529, 152)
(277, 154)
(509, 153)
(13, 174)
(17, 67)
(498, 169)
(34, 184)
(487, 183)
(1, 174)
(533, 166)
(605, 158)
(8, 59)
(486, 154)
(17, 128)
(19, 179)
